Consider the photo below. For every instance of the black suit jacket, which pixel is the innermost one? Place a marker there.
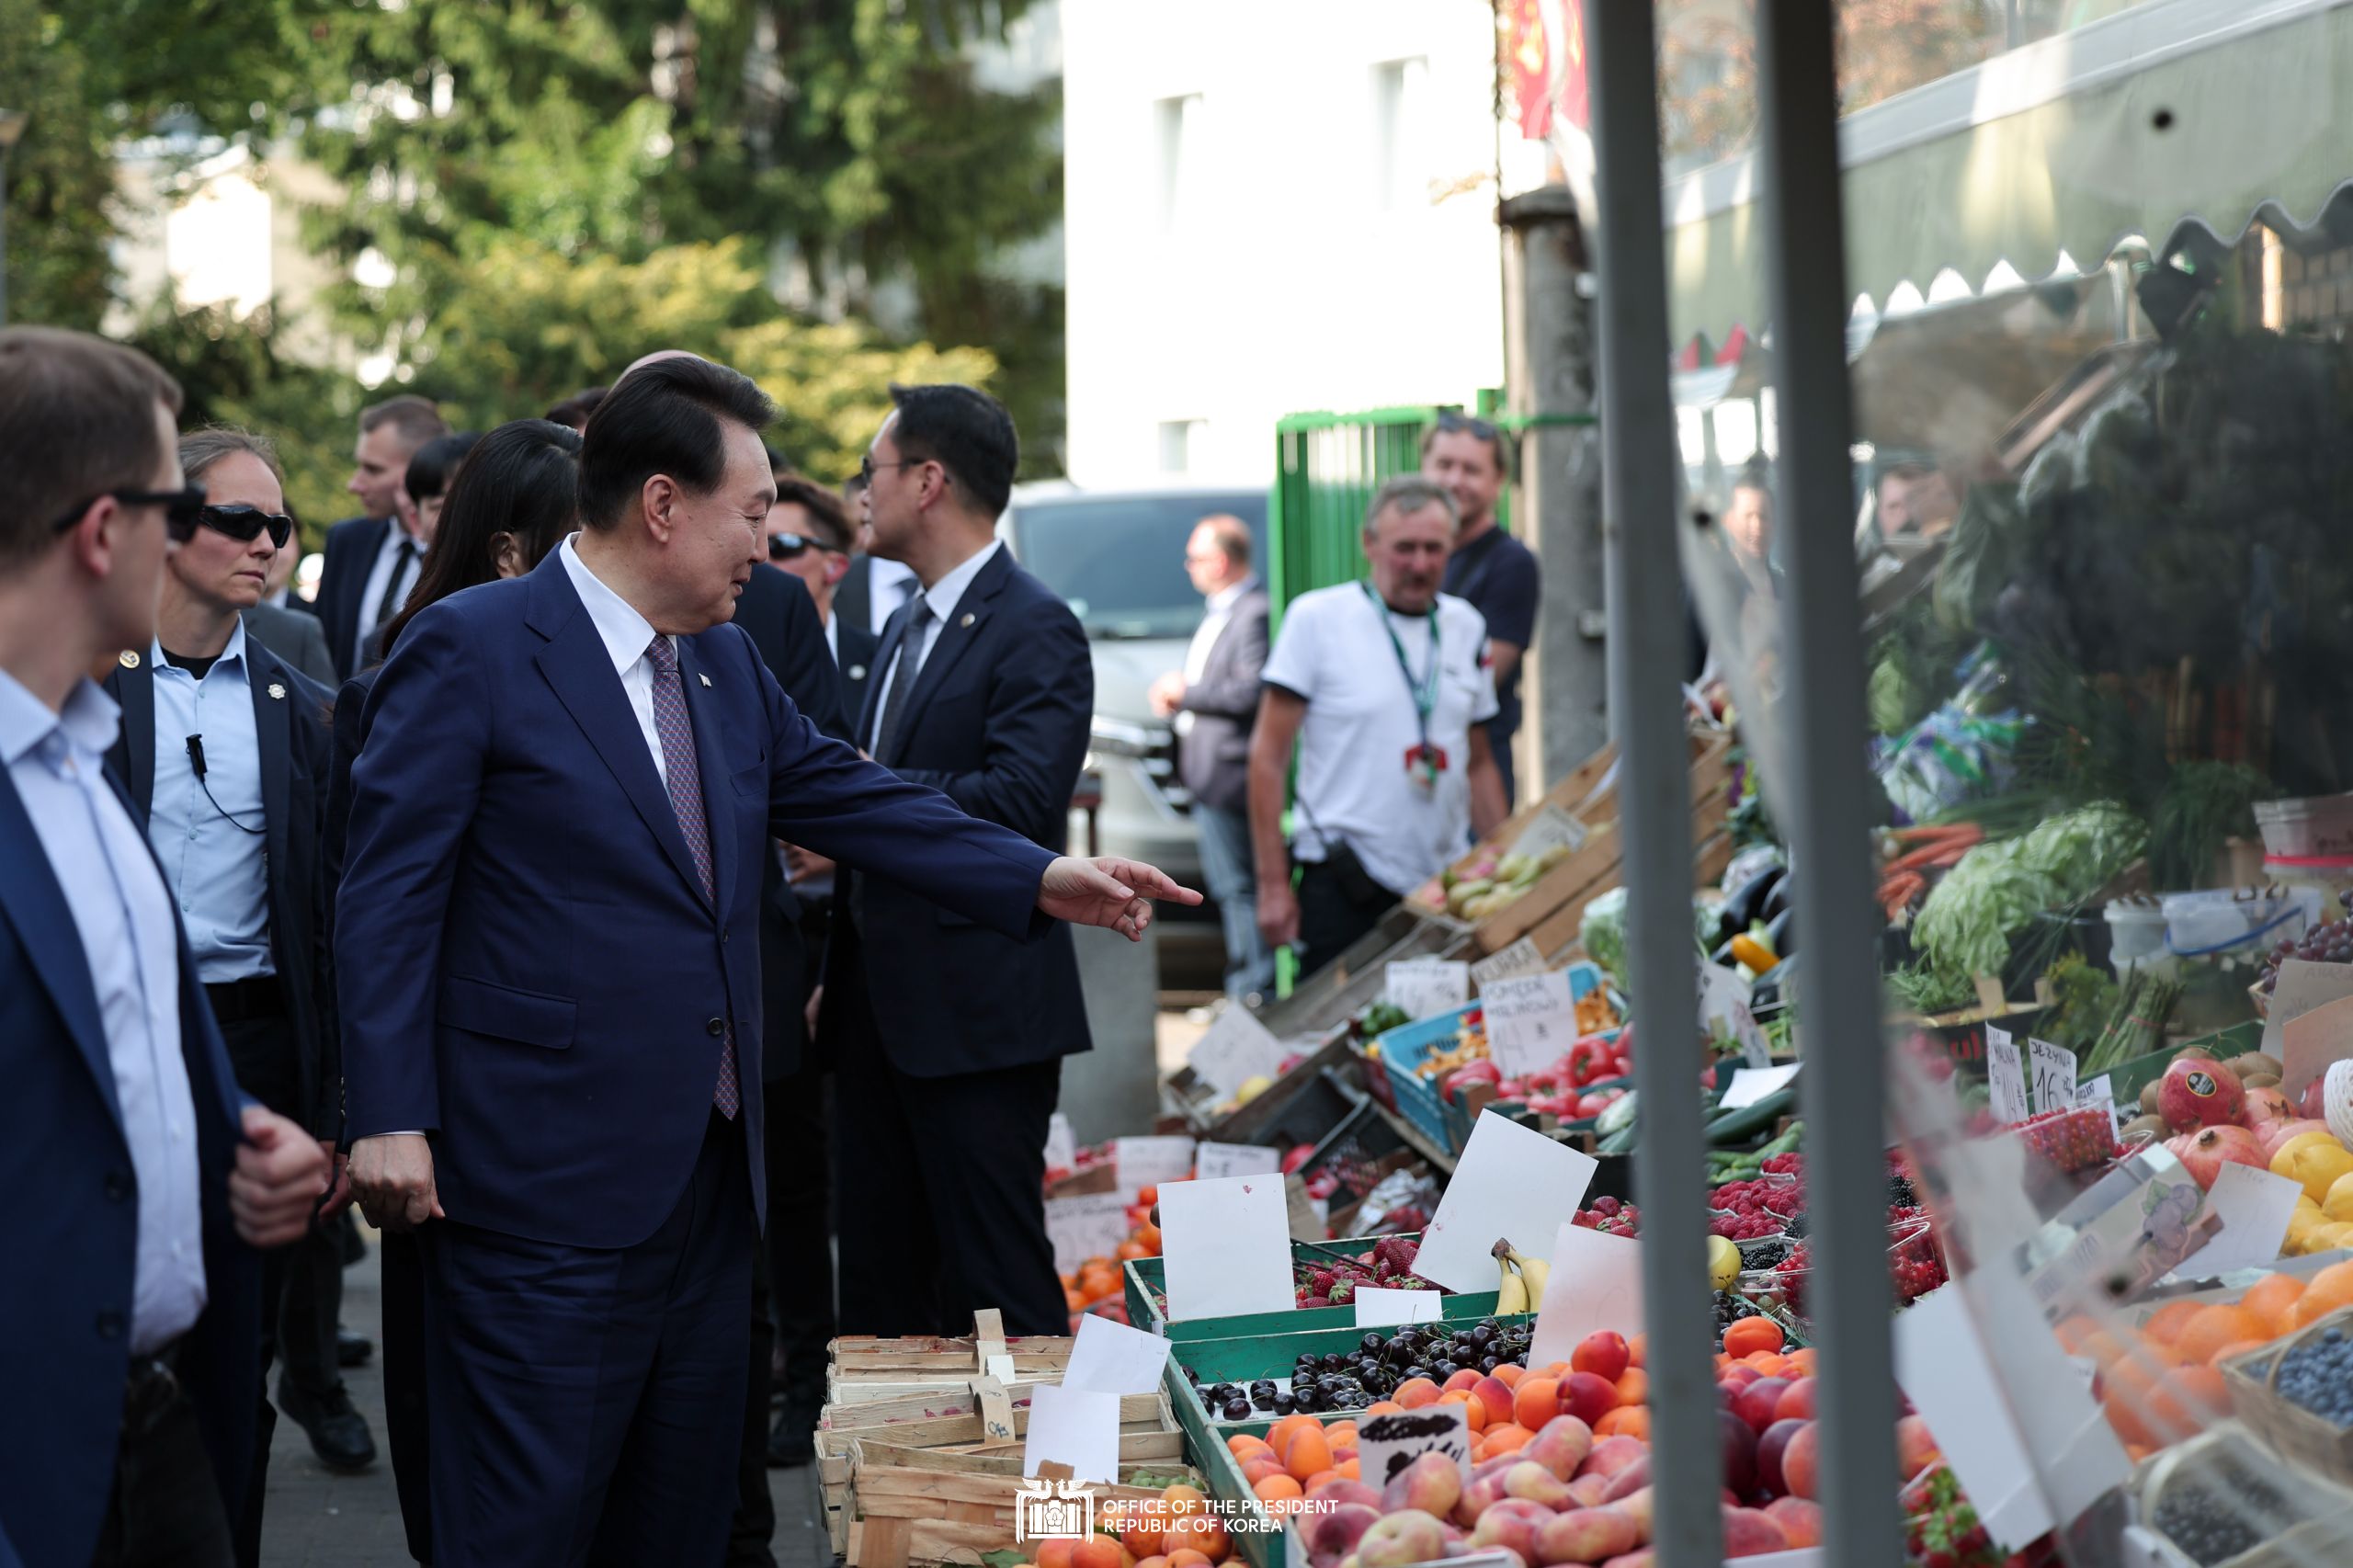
(352, 547)
(854, 651)
(997, 721)
(775, 607)
(1214, 756)
(296, 636)
(295, 760)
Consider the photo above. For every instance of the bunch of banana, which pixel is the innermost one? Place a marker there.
(1522, 1288)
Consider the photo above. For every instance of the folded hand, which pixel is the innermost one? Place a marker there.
(276, 1183)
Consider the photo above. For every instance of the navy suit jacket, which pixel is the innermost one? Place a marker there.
(352, 547)
(70, 1233)
(855, 647)
(531, 971)
(998, 722)
(295, 752)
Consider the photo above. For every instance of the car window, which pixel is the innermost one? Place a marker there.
(1119, 560)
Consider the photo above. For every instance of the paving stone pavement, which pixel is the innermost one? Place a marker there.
(316, 1518)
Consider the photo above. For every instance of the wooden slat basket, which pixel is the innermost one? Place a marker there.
(911, 1506)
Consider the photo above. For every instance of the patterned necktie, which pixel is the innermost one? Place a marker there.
(685, 780)
(903, 683)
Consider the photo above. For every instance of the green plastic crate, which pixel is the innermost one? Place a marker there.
(1146, 1283)
(2127, 1077)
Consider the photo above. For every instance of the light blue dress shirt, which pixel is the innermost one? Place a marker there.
(124, 918)
(218, 870)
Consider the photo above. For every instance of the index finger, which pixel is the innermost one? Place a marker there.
(1151, 883)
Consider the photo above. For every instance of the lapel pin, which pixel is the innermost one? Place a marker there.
(277, 691)
(127, 659)
(967, 621)
(857, 671)
(702, 677)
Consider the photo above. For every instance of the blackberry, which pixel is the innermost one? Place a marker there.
(1765, 1254)
(1900, 1194)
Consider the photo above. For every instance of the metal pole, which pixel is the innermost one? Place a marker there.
(1645, 652)
(4, 234)
(1830, 798)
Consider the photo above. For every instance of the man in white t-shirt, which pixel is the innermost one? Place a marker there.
(1384, 688)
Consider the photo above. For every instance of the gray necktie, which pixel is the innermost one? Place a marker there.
(903, 683)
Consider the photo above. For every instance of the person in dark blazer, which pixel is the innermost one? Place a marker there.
(223, 750)
(567, 787)
(142, 1177)
(511, 507)
(294, 635)
(1213, 700)
(982, 690)
(374, 560)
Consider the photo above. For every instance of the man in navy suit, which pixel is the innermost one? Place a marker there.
(373, 561)
(983, 689)
(143, 1178)
(553, 1038)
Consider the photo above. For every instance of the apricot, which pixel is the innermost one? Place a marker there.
(1416, 1393)
(1535, 1401)
(1308, 1453)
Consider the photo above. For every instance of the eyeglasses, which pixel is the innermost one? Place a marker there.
(867, 465)
(242, 523)
(793, 546)
(181, 509)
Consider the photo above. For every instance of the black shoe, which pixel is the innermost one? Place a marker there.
(352, 1349)
(793, 1441)
(339, 1434)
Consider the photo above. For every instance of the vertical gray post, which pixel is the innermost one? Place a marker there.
(1830, 797)
(1565, 685)
(1639, 472)
(4, 232)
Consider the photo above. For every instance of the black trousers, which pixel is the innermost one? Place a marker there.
(753, 1528)
(263, 1052)
(165, 1511)
(800, 1231)
(1331, 920)
(942, 1185)
(406, 1436)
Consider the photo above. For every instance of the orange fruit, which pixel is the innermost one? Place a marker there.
(1555, 1370)
(1802, 1360)
(1507, 1439)
(1341, 1435)
(2331, 1290)
(2185, 1399)
(2216, 1326)
(1416, 1393)
(1097, 1551)
(1309, 1452)
(2240, 1348)
(1275, 1486)
(1279, 1434)
(1239, 1445)
(2127, 1395)
(2273, 1297)
(1183, 1499)
(1748, 1336)
(1626, 1421)
(1475, 1412)
(2165, 1324)
(1055, 1552)
(1535, 1401)
(1351, 1468)
(1383, 1407)
(1633, 1387)
(1638, 1347)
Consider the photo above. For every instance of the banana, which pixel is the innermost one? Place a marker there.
(1536, 1274)
(1511, 1292)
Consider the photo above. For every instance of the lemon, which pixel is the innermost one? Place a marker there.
(2315, 1160)
(1251, 1088)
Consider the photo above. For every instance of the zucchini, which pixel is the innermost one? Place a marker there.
(1738, 1126)
(1618, 1143)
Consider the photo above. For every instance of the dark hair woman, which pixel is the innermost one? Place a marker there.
(512, 500)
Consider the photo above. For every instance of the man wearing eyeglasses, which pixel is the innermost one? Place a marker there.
(143, 1176)
(225, 749)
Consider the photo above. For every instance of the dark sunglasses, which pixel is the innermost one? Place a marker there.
(793, 546)
(181, 509)
(241, 522)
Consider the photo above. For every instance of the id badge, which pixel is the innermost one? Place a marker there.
(1423, 765)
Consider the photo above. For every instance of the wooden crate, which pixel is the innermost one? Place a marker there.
(879, 1371)
(911, 1506)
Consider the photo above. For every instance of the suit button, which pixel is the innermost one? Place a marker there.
(110, 1325)
(716, 1028)
(117, 1187)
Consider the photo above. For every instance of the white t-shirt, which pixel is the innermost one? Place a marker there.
(1353, 786)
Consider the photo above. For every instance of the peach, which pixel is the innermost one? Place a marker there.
(1512, 1523)
(1533, 1481)
(1401, 1540)
(1333, 1532)
(1800, 1520)
(1637, 1507)
(1756, 1403)
(1633, 1478)
(1916, 1450)
(1802, 1462)
(1497, 1396)
(1343, 1492)
(1096, 1551)
(1797, 1402)
(1748, 1533)
(1604, 1353)
(1585, 1535)
(1432, 1484)
(1613, 1454)
(1560, 1445)
(1588, 1396)
(1588, 1491)
(1477, 1499)
(1462, 1381)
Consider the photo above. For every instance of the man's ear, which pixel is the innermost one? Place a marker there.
(658, 502)
(836, 568)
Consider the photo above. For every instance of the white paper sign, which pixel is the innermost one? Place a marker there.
(1226, 1247)
(2254, 1208)
(1530, 1021)
(1553, 828)
(1520, 958)
(1236, 1049)
(1595, 1283)
(1387, 1444)
(1750, 1085)
(1723, 1009)
(2313, 1042)
(1378, 1308)
(1061, 1148)
(1079, 1427)
(1423, 988)
(1111, 1357)
(1215, 1162)
(2099, 1092)
(1139, 1163)
(1512, 1182)
(2301, 985)
(2053, 1075)
(1081, 1227)
(2004, 1075)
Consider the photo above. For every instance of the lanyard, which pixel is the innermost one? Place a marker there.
(1424, 690)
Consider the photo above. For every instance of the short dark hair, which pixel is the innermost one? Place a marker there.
(414, 417)
(965, 431)
(1452, 422)
(662, 418)
(521, 479)
(77, 419)
(199, 449)
(433, 464)
(572, 412)
(826, 514)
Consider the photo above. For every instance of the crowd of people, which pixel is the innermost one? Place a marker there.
(425, 894)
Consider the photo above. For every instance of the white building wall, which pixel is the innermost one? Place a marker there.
(1272, 207)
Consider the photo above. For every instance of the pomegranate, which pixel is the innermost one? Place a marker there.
(2263, 1107)
(2312, 1105)
(2205, 1152)
(2269, 1139)
(2198, 1091)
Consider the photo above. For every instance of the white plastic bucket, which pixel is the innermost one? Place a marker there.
(2136, 934)
(2236, 923)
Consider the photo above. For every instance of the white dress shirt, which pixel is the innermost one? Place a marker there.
(834, 638)
(200, 827)
(1215, 621)
(889, 585)
(380, 579)
(124, 919)
(943, 596)
(626, 635)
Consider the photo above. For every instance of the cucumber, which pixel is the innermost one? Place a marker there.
(1738, 1126)
(1618, 1143)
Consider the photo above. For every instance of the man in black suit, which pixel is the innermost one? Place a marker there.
(1214, 699)
(949, 1038)
(373, 559)
(869, 592)
(224, 750)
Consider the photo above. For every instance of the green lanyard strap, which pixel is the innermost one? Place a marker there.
(1424, 689)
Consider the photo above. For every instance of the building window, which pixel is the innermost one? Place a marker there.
(1399, 139)
(1177, 132)
(1177, 445)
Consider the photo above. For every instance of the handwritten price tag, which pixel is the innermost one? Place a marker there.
(2053, 1075)
(2004, 1075)
(1723, 1009)
(1236, 1049)
(1531, 1019)
(1520, 958)
(1424, 988)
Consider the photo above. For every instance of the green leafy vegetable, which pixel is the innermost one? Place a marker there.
(1967, 924)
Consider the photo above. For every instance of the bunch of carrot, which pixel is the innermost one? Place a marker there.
(1921, 850)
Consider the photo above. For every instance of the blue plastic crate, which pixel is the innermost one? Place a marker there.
(1406, 1047)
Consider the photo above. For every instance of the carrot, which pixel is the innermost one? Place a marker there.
(1900, 889)
(1939, 852)
(1968, 831)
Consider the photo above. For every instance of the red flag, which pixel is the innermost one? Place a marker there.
(1528, 51)
(1576, 99)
